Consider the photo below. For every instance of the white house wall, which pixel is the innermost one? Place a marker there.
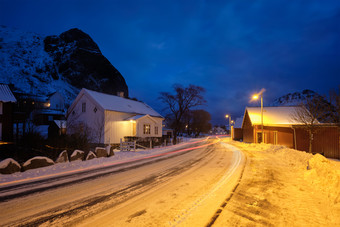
(116, 127)
(154, 122)
(92, 121)
(56, 101)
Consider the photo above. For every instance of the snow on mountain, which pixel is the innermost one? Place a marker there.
(295, 99)
(25, 64)
(66, 63)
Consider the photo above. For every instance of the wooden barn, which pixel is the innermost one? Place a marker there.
(109, 118)
(280, 128)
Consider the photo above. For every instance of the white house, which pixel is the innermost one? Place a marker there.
(109, 118)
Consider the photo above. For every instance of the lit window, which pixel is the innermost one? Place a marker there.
(83, 107)
(156, 130)
(146, 129)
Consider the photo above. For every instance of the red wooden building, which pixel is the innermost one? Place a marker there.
(280, 128)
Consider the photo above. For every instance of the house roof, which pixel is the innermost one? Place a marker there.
(136, 117)
(238, 122)
(281, 115)
(119, 104)
(60, 123)
(5, 94)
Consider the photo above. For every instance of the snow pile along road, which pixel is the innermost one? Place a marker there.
(284, 187)
(324, 175)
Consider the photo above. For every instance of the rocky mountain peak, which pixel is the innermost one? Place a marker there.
(79, 59)
(66, 63)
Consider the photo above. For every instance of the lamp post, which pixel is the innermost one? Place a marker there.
(255, 97)
(228, 117)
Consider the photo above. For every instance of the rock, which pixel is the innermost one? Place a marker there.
(37, 162)
(77, 155)
(79, 59)
(63, 157)
(90, 156)
(111, 152)
(9, 166)
(101, 152)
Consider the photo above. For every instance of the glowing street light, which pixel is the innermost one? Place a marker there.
(255, 97)
(228, 117)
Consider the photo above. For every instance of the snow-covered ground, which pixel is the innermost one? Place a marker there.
(78, 166)
(284, 187)
(279, 186)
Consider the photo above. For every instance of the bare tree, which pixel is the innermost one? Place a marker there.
(181, 102)
(309, 113)
(200, 121)
(334, 99)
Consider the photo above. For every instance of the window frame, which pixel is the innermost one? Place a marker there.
(146, 129)
(83, 107)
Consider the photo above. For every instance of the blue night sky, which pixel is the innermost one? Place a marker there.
(231, 48)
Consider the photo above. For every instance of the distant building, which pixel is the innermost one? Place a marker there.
(218, 131)
(38, 112)
(280, 128)
(109, 118)
(6, 113)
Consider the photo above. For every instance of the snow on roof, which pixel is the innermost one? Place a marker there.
(5, 94)
(238, 122)
(281, 115)
(60, 123)
(115, 103)
(135, 117)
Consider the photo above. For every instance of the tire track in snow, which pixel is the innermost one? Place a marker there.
(237, 156)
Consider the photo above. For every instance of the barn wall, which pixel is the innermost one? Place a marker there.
(325, 141)
(248, 130)
(238, 134)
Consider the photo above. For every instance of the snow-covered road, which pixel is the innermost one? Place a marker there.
(177, 188)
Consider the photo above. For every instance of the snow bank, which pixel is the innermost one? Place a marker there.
(324, 175)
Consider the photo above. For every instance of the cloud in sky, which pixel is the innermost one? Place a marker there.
(231, 48)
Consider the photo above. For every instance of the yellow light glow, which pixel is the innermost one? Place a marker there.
(227, 115)
(255, 97)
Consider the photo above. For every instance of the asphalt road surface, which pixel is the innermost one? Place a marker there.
(178, 189)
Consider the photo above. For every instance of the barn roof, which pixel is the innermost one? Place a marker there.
(5, 94)
(279, 115)
(119, 104)
(238, 122)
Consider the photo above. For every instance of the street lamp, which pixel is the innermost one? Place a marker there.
(228, 116)
(255, 97)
